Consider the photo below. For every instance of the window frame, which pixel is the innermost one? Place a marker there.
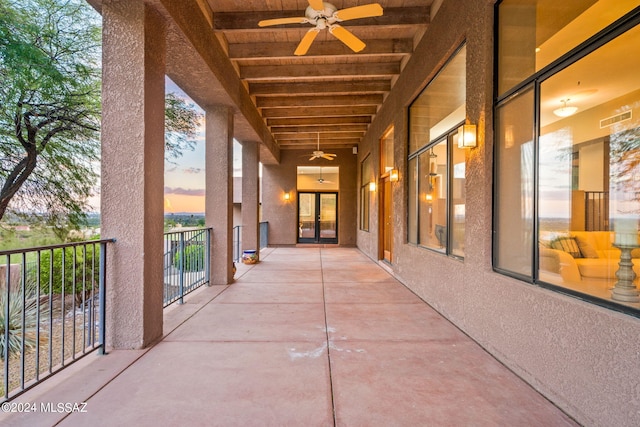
(447, 138)
(365, 193)
(625, 23)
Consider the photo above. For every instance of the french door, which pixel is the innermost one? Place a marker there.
(317, 217)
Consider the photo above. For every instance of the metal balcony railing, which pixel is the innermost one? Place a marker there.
(237, 239)
(186, 262)
(52, 310)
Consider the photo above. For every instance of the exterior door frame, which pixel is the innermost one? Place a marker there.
(317, 235)
(385, 220)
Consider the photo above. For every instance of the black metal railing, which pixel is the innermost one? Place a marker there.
(186, 262)
(237, 243)
(264, 234)
(237, 239)
(52, 310)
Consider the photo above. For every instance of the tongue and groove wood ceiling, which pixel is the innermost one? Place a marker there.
(331, 91)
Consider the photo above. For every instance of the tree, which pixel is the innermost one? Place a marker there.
(49, 108)
(50, 75)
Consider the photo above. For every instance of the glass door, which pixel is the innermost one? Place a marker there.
(317, 217)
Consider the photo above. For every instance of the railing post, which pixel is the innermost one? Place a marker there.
(102, 296)
(181, 277)
(207, 258)
(7, 328)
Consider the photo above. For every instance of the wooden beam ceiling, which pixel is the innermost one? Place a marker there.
(331, 91)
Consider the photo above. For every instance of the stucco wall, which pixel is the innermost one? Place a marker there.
(584, 358)
(282, 215)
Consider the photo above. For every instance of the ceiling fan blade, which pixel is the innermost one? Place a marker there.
(327, 156)
(365, 11)
(316, 4)
(347, 37)
(281, 21)
(306, 41)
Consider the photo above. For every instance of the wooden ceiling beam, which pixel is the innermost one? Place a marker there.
(318, 101)
(310, 88)
(313, 144)
(319, 121)
(313, 71)
(324, 136)
(318, 111)
(284, 50)
(248, 21)
(280, 130)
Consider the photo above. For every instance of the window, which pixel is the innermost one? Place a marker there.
(366, 176)
(533, 34)
(436, 166)
(567, 186)
(386, 152)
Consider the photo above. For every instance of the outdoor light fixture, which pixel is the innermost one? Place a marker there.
(467, 136)
(287, 196)
(565, 111)
(372, 186)
(393, 175)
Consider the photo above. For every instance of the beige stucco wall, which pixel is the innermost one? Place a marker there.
(584, 358)
(282, 215)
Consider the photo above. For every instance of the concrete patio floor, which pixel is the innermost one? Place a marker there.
(307, 337)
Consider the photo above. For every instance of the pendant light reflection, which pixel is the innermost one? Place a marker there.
(565, 110)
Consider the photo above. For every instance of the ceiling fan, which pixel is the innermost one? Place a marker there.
(317, 154)
(321, 180)
(323, 15)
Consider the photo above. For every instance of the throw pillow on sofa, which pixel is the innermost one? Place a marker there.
(586, 248)
(567, 244)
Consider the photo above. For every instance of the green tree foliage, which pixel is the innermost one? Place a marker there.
(193, 257)
(76, 269)
(49, 108)
(50, 83)
(181, 125)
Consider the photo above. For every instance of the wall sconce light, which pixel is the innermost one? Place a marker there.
(509, 140)
(467, 136)
(372, 186)
(287, 196)
(428, 197)
(393, 175)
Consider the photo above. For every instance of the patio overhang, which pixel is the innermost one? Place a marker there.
(197, 63)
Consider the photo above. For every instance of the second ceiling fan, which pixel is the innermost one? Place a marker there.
(325, 15)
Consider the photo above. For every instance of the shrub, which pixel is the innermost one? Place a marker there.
(86, 271)
(193, 258)
(18, 333)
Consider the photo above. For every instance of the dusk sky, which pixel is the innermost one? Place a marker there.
(184, 181)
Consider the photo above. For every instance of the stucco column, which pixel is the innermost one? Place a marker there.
(133, 171)
(219, 191)
(250, 196)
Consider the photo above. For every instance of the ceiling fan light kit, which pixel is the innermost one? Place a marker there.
(325, 15)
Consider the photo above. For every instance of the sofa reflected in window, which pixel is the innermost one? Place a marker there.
(586, 261)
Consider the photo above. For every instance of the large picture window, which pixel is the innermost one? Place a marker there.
(366, 176)
(535, 33)
(436, 166)
(567, 202)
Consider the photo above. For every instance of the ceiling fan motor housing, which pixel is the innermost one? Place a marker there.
(321, 17)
